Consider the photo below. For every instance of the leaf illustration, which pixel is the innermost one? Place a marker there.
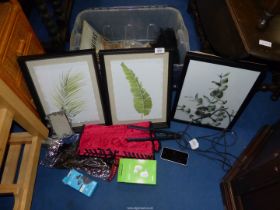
(224, 88)
(201, 111)
(216, 93)
(211, 108)
(224, 81)
(67, 94)
(142, 100)
(216, 83)
(199, 101)
(226, 74)
(207, 99)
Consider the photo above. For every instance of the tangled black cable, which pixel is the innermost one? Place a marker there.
(218, 149)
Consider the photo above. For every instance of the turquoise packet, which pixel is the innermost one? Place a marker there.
(80, 182)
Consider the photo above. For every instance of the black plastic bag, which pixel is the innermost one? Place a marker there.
(62, 153)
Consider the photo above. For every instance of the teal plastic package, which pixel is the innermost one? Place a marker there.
(80, 182)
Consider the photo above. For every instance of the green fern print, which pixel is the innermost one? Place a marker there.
(141, 99)
(67, 94)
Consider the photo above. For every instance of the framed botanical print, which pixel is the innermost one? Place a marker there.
(214, 91)
(68, 82)
(138, 84)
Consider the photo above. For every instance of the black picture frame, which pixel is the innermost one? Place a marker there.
(149, 68)
(68, 82)
(214, 91)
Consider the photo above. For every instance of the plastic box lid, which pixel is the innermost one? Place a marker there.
(141, 23)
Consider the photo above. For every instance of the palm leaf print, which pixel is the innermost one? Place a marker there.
(67, 94)
(141, 99)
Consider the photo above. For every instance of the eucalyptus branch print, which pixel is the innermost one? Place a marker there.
(141, 99)
(210, 109)
(67, 94)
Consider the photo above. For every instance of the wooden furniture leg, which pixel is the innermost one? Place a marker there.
(19, 152)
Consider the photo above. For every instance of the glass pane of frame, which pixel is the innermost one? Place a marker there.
(138, 85)
(67, 82)
(214, 91)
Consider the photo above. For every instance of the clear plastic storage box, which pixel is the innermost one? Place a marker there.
(140, 23)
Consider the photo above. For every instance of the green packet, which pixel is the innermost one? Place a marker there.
(137, 171)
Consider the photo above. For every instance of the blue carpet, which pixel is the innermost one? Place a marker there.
(191, 187)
